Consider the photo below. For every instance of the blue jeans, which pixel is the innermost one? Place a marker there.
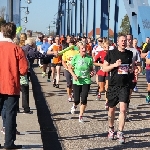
(9, 113)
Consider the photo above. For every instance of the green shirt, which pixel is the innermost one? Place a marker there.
(76, 48)
(82, 68)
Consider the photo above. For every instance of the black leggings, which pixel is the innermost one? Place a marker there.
(83, 90)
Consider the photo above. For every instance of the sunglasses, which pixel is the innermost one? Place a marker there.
(100, 41)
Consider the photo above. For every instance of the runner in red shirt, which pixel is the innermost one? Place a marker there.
(102, 76)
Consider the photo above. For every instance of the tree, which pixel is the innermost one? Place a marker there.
(125, 25)
(2, 11)
(2, 14)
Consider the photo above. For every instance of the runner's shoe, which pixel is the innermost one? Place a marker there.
(57, 86)
(43, 74)
(98, 98)
(147, 99)
(69, 99)
(73, 109)
(48, 80)
(135, 89)
(111, 135)
(121, 137)
(81, 119)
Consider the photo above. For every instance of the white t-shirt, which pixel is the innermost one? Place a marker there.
(97, 49)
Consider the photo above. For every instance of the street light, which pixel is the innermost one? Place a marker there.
(25, 21)
(29, 2)
(27, 12)
(73, 3)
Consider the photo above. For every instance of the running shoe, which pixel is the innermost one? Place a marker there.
(121, 138)
(147, 99)
(98, 98)
(111, 135)
(3, 130)
(48, 80)
(69, 99)
(135, 89)
(81, 119)
(43, 74)
(73, 109)
(72, 95)
(57, 86)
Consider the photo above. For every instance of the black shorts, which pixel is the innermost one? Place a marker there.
(102, 78)
(46, 60)
(116, 94)
(54, 65)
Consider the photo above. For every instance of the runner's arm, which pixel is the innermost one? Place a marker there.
(107, 67)
(50, 50)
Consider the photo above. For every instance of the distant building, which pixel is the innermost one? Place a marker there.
(98, 32)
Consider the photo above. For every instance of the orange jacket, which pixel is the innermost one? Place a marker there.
(13, 63)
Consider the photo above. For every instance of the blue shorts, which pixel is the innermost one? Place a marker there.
(148, 75)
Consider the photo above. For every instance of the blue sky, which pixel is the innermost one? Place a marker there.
(42, 14)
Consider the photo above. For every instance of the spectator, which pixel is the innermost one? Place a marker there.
(13, 63)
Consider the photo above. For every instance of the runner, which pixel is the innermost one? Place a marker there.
(56, 62)
(95, 51)
(81, 68)
(102, 76)
(144, 55)
(66, 59)
(117, 63)
(136, 64)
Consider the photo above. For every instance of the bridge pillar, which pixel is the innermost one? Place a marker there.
(81, 23)
(94, 20)
(104, 18)
(76, 13)
(116, 20)
(87, 16)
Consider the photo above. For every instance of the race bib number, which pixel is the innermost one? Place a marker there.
(123, 69)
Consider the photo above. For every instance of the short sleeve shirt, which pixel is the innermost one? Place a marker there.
(82, 68)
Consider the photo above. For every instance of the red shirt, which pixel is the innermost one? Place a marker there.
(100, 56)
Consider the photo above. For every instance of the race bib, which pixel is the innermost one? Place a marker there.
(123, 69)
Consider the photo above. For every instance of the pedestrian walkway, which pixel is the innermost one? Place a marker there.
(92, 135)
(28, 126)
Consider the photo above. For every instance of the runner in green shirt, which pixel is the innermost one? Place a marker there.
(81, 68)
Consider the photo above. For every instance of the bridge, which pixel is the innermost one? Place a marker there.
(70, 10)
(136, 10)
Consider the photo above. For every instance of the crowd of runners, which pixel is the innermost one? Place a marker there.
(115, 67)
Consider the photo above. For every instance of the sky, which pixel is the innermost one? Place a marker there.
(42, 14)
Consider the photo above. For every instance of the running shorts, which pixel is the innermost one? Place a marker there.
(116, 94)
(54, 65)
(102, 78)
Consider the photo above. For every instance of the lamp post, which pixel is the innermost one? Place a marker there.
(10, 8)
(27, 12)
(25, 21)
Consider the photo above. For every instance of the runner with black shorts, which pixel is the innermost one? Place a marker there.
(102, 76)
(118, 63)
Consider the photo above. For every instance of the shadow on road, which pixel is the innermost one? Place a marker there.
(48, 129)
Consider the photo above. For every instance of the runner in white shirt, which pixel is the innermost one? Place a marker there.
(95, 51)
